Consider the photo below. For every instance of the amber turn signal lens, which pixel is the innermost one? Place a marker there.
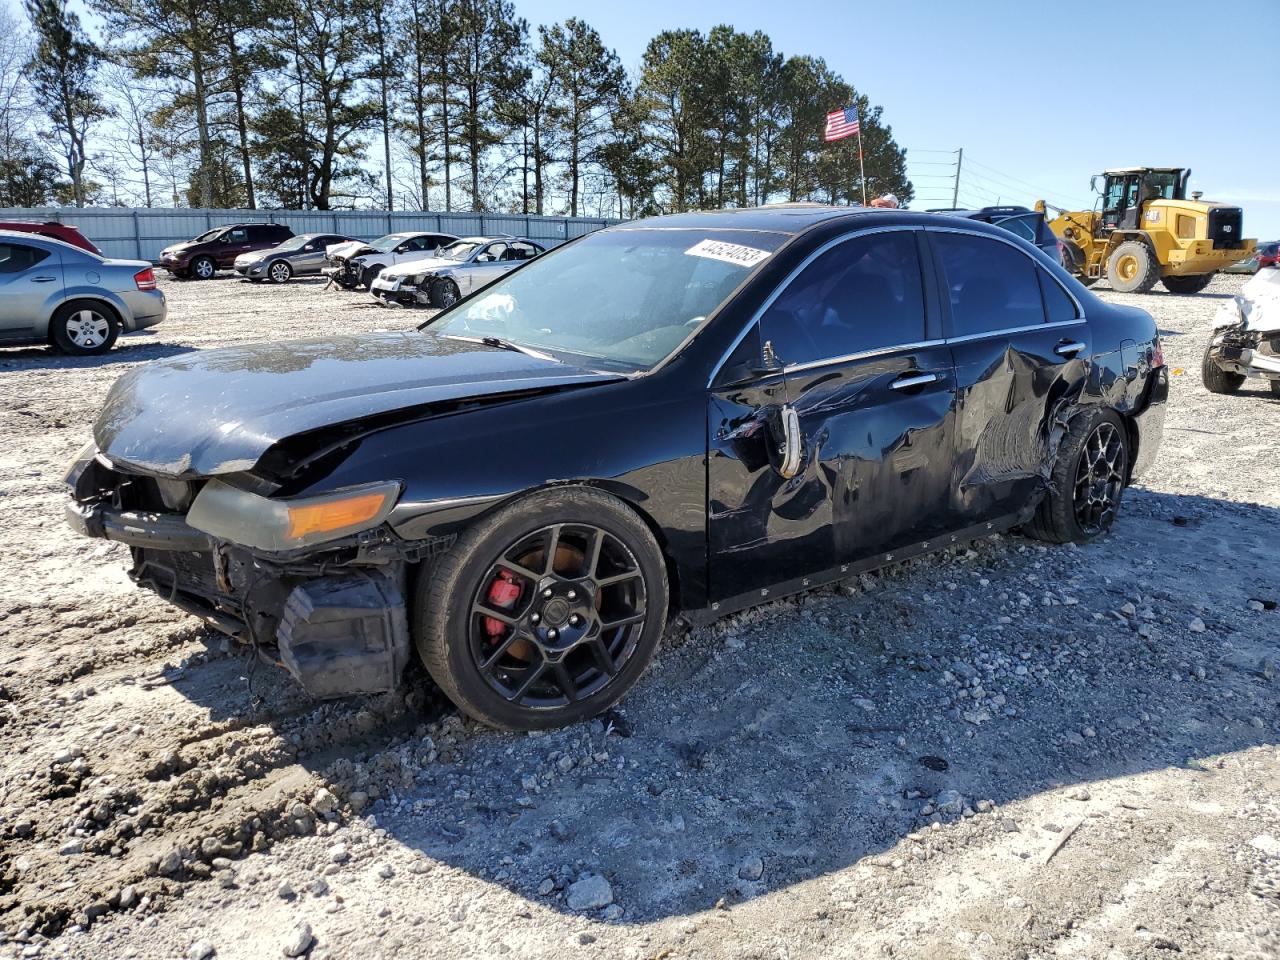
(335, 515)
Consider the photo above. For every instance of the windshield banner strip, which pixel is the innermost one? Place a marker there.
(735, 253)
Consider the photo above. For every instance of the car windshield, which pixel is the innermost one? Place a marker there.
(457, 251)
(388, 243)
(627, 297)
(295, 243)
(209, 235)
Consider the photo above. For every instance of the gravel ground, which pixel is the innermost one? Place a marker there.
(1004, 751)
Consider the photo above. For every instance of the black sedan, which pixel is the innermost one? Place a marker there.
(678, 416)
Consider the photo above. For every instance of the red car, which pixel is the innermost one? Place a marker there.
(54, 230)
(1268, 255)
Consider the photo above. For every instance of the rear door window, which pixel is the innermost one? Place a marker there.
(863, 294)
(16, 257)
(991, 285)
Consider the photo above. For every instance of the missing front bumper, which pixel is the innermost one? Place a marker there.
(338, 633)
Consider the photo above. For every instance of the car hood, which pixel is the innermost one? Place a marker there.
(348, 249)
(409, 268)
(219, 411)
(177, 248)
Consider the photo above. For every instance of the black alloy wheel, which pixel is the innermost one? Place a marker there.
(546, 612)
(1100, 478)
(444, 293)
(1087, 481)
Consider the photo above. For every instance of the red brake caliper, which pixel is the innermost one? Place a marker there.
(503, 594)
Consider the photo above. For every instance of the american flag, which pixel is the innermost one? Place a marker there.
(841, 124)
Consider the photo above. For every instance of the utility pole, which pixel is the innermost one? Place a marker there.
(955, 194)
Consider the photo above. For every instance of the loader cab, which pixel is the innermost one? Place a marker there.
(1123, 193)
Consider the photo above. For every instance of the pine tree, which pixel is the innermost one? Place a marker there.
(62, 74)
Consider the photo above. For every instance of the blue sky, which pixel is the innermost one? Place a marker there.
(1042, 95)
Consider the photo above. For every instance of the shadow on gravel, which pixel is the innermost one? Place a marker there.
(126, 350)
(766, 751)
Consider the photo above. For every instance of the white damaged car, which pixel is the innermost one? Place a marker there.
(454, 271)
(1246, 337)
(356, 263)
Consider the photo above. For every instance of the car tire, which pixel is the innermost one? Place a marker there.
(579, 631)
(203, 268)
(1132, 268)
(84, 328)
(280, 271)
(1087, 482)
(1217, 380)
(1190, 284)
(444, 293)
(370, 274)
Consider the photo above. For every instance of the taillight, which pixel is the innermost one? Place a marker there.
(145, 279)
(1157, 354)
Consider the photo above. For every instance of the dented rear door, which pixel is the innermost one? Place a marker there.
(1021, 349)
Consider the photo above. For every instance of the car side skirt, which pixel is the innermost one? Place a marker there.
(736, 604)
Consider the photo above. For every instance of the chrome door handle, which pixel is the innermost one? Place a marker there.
(909, 380)
(790, 465)
(43, 279)
(1069, 348)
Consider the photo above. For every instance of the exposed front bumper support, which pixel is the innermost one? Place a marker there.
(154, 531)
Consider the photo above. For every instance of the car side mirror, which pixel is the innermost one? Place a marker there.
(308, 248)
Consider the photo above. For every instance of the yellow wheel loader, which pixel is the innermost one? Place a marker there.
(1144, 230)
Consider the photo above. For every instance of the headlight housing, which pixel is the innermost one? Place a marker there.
(261, 523)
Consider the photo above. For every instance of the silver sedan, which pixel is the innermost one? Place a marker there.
(297, 257)
(52, 292)
(454, 271)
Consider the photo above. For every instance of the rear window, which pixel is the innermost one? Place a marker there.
(1058, 306)
(992, 286)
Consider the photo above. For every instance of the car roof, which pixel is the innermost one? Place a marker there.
(981, 212)
(784, 218)
(37, 239)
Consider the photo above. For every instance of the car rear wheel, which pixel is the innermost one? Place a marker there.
(1132, 268)
(84, 328)
(1190, 284)
(203, 268)
(1087, 482)
(1217, 380)
(280, 271)
(545, 612)
(444, 293)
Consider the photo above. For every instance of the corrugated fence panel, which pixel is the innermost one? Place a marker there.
(142, 233)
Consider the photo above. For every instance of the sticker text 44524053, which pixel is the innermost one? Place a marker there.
(734, 253)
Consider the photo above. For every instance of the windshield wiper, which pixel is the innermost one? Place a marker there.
(502, 344)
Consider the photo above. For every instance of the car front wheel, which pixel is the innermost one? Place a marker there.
(203, 268)
(1087, 482)
(544, 613)
(84, 328)
(280, 272)
(370, 274)
(444, 293)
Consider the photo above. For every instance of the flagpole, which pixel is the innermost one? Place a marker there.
(862, 170)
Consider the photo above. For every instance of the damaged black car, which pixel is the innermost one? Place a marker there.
(681, 416)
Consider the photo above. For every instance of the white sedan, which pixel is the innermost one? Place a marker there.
(454, 271)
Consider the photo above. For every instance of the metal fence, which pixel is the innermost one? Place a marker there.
(141, 233)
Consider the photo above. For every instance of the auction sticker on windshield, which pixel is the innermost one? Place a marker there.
(734, 253)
